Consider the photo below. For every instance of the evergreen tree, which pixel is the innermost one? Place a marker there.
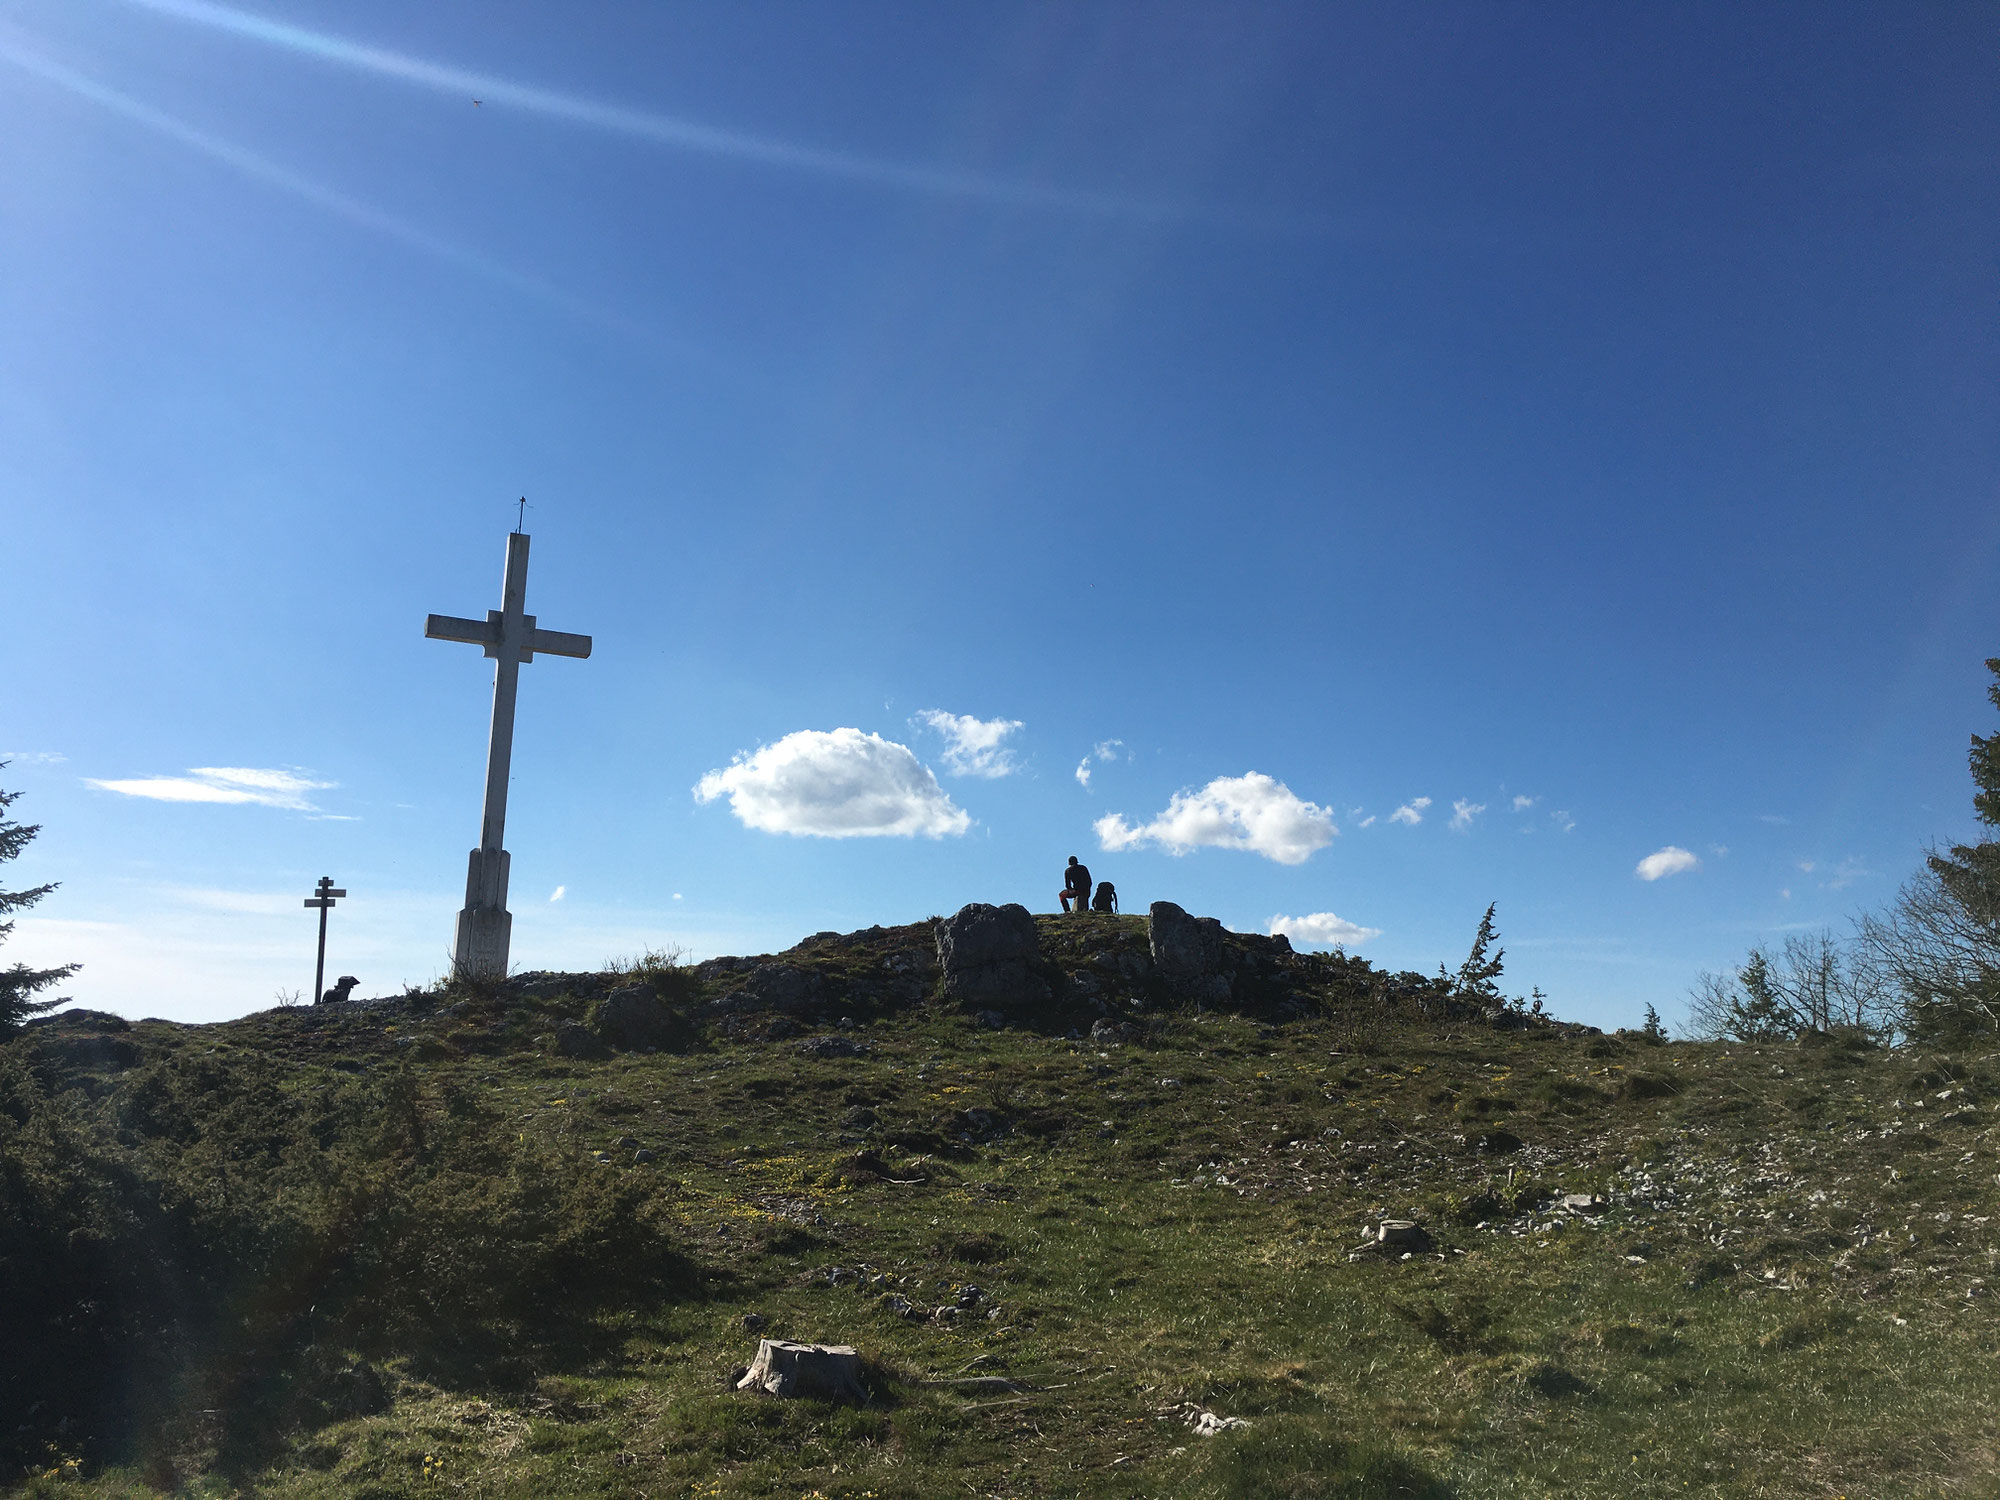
(19, 983)
(1654, 1030)
(1478, 978)
(1759, 1015)
(1971, 872)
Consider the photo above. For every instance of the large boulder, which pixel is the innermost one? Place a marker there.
(634, 1018)
(1189, 953)
(990, 955)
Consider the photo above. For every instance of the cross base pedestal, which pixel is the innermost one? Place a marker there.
(479, 945)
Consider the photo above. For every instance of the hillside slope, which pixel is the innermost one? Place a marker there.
(516, 1239)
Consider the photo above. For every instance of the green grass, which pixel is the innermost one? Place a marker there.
(1774, 1304)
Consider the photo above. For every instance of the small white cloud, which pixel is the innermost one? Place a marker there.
(236, 784)
(559, 892)
(1774, 819)
(32, 757)
(1411, 813)
(1251, 812)
(1463, 811)
(1522, 804)
(1672, 860)
(973, 747)
(835, 784)
(1846, 873)
(1322, 929)
(677, 895)
(1367, 822)
(1563, 820)
(1102, 751)
(1785, 895)
(1720, 851)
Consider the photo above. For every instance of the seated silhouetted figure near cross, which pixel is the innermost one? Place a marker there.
(1076, 886)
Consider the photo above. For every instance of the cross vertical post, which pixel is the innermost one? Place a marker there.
(324, 895)
(508, 635)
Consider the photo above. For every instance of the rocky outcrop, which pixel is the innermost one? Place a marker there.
(991, 956)
(1189, 953)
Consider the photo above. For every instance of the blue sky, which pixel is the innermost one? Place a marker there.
(1582, 418)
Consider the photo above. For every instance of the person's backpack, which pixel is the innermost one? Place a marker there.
(1106, 898)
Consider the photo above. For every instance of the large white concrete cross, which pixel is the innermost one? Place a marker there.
(510, 637)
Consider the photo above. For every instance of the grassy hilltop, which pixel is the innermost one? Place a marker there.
(456, 1245)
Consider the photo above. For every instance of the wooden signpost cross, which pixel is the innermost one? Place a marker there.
(510, 636)
(324, 895)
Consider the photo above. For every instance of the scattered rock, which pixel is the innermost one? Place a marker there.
(1497, 1142)
(754, 1323)
(991, 954)
(833, 1046)
(831, 1372)
(642, 1156)
(1584, 1203)
(1110, 1033)
(1206, 1423)
(992, 1020)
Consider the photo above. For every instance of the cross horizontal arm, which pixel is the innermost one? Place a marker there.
(558, 643)
(453, 628)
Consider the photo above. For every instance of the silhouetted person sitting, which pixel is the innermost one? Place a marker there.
(1106, 898)
(1076, 886)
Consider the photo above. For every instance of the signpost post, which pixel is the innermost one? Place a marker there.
(324, 895)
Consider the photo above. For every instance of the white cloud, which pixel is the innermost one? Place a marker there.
(1250, 812)
(1672, 860)
(1847, 872)
(32, 757)
(222, 784)
(1323, 929)
(1103, 750)
(677, 895)
(238, 903)
(558, 893)
(1806, 866)
(1367, 822)
(1563, 820)
(1463, 811)
(973, 747)
(1522, 804)
(1411, 813)
(1773, 819)
(835, 784)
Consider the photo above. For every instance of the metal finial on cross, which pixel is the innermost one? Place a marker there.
(324, 895)
(510, 636)
(522, 519)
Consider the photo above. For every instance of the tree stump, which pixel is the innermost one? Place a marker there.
(1402, 1236)
(783, 1368)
